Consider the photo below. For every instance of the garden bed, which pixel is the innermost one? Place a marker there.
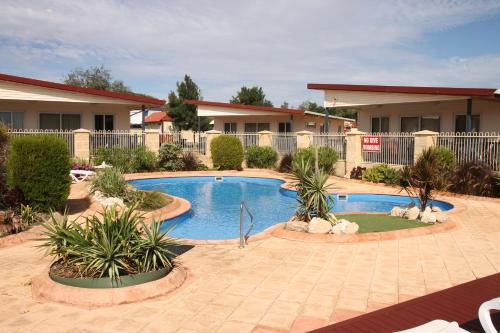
(381, 222)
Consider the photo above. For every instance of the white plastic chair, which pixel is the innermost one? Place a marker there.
(78, 176)
(485, 315)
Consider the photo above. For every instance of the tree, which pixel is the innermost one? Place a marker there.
(96, 77)
(251, 96)
(285, 105)
(184, 116)
(339, 112)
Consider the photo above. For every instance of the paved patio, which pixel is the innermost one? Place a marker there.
(273, 285)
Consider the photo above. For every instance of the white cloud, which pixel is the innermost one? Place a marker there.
(278, 44)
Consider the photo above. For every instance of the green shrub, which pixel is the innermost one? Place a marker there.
(476, 178)
(227, 152)
(381, 173)
(4, 145)
(147, 201)
(127, 160)
(116, 244)
(261, 157)
(446, 158)
(286, 163)
(39, 166)
(110, 183)
(170, 157)
(327, 157)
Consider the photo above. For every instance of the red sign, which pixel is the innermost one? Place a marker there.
(370, 143)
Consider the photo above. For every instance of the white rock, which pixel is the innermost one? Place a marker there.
(427, 217)
(412, 213)
(294, 225)
(337, 229)
(351, 228)
(441, 217)
(435, 209)
(112, 202)
(319, 226)
(398, 211)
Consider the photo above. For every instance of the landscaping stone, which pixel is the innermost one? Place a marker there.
(319, 226)
(351, 228)
(436, 209)
(398, 211)
(105, 201)
(345, 227)
(412, 213)
(296, 226)
(427, 216)
(441, 217)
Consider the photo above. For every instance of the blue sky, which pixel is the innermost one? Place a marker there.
(280, 45)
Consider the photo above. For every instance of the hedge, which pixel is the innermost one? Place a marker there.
(261, 157)
(327, 157)
(39, 166)
(227, 152)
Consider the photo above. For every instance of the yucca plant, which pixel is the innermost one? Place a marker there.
(114, 244)
(312, 191)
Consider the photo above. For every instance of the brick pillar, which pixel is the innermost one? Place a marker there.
(212, 134)
(81, 142)
(353, 155)
(152, 140)
(265, 139)
(423, 140)
(304, 139)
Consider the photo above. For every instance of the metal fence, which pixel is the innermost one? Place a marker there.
(247, 139)
(67, 135)
(285, 142)
(109, 139)
(395, 148)
(196, 143)
(336, 141)
(473, 147)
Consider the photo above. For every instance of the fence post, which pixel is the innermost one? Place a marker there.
(304, 139)
(152, 140)
(81, 142)
(423, 140)
(265, 138)
(353, 153)
(212, 134)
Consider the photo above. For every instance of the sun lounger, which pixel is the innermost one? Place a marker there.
(78, 176)
(485, 315)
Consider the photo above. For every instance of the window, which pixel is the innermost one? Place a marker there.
(230, 127)
(380, 124)
(12, 119)
(256, 127)
(285, 127)
(460, 123)
(409, 124)
(104, 122)
(430, 123)
(311, 124)
(59, 121)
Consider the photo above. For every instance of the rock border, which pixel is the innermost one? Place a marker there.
(44, 289)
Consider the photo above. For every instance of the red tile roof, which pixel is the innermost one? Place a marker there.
(157, 117)
(406, 89)
(61, 86)
(245, 107)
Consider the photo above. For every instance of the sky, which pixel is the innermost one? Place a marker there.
(280, 45)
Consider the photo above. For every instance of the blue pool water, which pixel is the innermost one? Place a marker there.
(215, 204)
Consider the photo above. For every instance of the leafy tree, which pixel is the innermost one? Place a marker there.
(251, 96)
(339, 112)
(184, 116)
(96, 77)
(311, 106)
(285, 105)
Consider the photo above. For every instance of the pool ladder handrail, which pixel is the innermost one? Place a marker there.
(244, 237)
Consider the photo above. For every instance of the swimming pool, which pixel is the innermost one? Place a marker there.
(215, 204)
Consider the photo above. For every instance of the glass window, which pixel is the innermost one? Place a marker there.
(285, 127)
(311, 124)
(230, 127)
(375, 125)
(70, 121)
(460, 123)
(380, 124)
(12, 119)
(409, 124)
(263, 127)
(250, 127)
(430, 123)
(50, 121)
(104, 122)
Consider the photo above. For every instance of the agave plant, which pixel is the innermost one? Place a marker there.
(111, 245)
(312, 191)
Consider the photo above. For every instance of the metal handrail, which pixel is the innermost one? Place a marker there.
(244, 237)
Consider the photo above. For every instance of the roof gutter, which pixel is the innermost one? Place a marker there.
(312, 113)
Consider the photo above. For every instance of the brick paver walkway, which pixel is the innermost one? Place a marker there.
(274, 283)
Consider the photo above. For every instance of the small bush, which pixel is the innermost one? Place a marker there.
(191, 162)
(227, 152)
(286, 163)
(476, 178)
(381, 173)
(4, 145)
(446, 158)
(170, 157)
(357, 173)
(261, 157)
(327, 157)
(39, 166)
(127, 160)
(147, 201)
(110, 183)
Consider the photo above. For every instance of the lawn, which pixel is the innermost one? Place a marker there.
(378, 223)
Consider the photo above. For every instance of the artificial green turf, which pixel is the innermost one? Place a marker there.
(378, 223)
